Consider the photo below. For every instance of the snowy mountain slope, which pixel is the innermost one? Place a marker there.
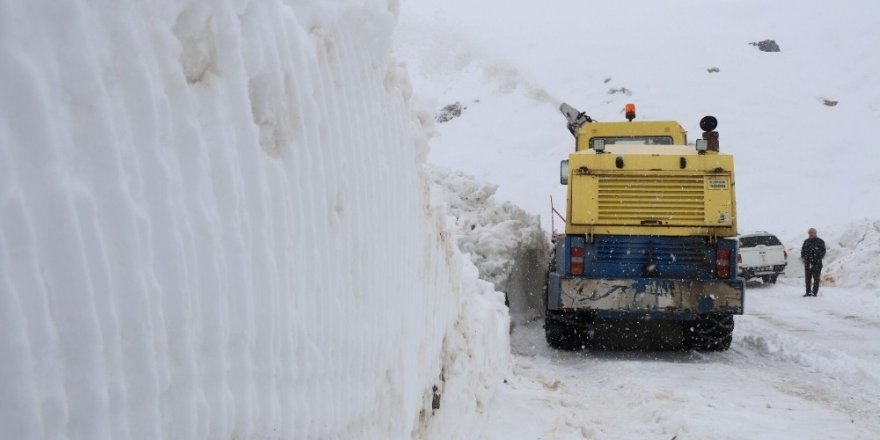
(214, 224)
(802, 161)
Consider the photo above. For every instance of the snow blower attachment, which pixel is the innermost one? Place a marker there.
(649, 251)
(574, 117)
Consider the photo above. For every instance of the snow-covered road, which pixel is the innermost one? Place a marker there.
(798, 368)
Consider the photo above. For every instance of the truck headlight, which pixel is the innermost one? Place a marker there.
(563, 172)
(702, 145)
(598, 145)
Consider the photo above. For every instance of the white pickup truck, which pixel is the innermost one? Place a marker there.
(762, 255)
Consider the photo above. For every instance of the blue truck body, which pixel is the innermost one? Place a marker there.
(624, 263)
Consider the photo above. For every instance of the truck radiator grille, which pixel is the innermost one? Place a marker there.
(668, 200)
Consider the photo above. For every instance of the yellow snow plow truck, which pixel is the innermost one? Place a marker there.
(649, 251)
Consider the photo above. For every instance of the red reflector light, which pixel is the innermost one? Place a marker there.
(576, 266)
(722, 263)
(785, 254)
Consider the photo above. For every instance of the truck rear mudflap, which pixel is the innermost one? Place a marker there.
(658, 297)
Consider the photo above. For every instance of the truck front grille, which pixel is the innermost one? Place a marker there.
(657, 199)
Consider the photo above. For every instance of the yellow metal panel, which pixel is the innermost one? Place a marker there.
(584, 207)
(661, 199)
(666, 231)
(658, 190)
(719, 203)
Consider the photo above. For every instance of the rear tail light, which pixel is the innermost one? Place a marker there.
(785, 254)
(722, 263)
(739, 259)
(577, 261)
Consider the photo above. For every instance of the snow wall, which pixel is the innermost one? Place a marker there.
(852, 254)
(214, 223)
(504, 242)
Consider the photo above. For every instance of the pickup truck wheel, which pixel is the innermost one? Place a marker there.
(709, 333)
(769, 279)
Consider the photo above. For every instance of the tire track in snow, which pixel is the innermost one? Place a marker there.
(763, 392)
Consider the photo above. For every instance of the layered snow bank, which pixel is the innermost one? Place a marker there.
(506, 243)
(214, 224)
(852, 256)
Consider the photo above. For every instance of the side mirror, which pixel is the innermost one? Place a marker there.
(563, 172)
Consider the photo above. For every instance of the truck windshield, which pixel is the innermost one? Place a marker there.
(766, 240)
(636, 140)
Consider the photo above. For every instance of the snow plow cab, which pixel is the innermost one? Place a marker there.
(649, 250)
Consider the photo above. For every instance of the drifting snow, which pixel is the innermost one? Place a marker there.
(214, 224)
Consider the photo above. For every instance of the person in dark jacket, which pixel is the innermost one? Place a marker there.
(812, 253)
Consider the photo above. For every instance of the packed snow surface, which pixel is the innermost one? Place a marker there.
(214, 223)
(798, 368)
